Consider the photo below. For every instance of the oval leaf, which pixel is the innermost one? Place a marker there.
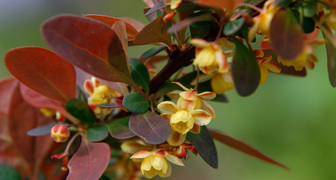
(40, 69)
(245, 70)
(99, 52)
(151, 127)
(286, 34)
(205, 146)
(42, 130)
(135, 103)
(140, 74)
(152, 52)
(243, 147)
(119, 128)
(154, 32)
(8, 172)
(97, 133)
(89, 161)
(81, 111)
(232, 27)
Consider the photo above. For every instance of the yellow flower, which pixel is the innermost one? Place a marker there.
(221, 82)
(173, 3)
(265, 64)
(184, 115)
(209, 56)
(262, 22)
(99, 94)
(155, 162)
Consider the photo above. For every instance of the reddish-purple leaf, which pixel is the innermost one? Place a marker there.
(243, 147)
(286, 34)
(89, 161)
(38, 100)
(6, 89)
(154, 32)
(132, 26)
(220, 4)
(89, 44)
(43, 71)
(151, 127)
(21, 118)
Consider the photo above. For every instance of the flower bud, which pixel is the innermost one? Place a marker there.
(60, 133)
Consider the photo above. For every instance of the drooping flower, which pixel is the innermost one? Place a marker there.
(221, 82)
(265, 64)
(209, 56)
(156, 162)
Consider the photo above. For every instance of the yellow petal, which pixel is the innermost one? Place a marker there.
(167, 107)
(174, 159)
(209, 109)
(175, 138)
(201, 43)
(207, 95)
(158, 162)
(187, 105)
(141, 154)
(201, 117)
(146, 164)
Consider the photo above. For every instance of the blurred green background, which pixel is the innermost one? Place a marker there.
(291, 119)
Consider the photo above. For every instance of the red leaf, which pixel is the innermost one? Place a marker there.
(89, 161)
(43, 71)
(132, 26)
(88, 44)
(151, 127)
(220, 4)
(243, 147)
(120, 29)
(6, 89)
(154, 32)
(23, 117)
(286, 35)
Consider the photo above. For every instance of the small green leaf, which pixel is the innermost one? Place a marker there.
(245, 69)
(8, 172)
(108, 105)
(205, 146)
(152, 52)
(139, 74)
(198, 29)
(42, 130)
(119, 128)
(97, 133)
(81, 111)
(135, 103)
(232, 27)
(283, 3)
(309, 8)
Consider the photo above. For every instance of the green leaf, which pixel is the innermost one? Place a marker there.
(140, 73)
(81, 111)
(97, 133)
(151, 127)
(309, 8)
(198, 29)
(286, 34)
(205, 146)
(152, 52)
(283, 3)
(308, 25)
(135, 103)
(232, 27)
(108, 105)
(119, 128)
(42, 130)
(245, 69)
(8, 172)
